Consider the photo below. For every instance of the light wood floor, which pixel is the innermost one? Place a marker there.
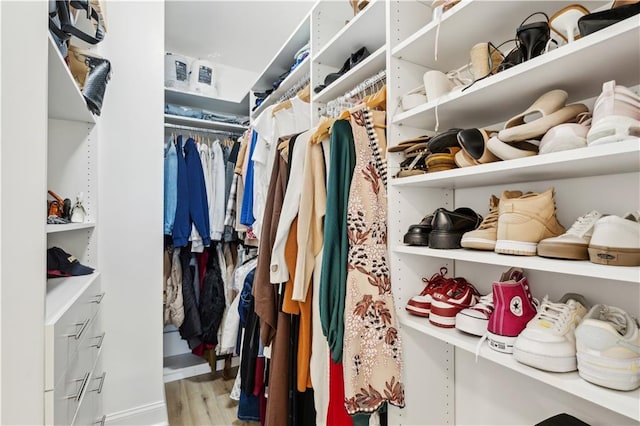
(203, 400)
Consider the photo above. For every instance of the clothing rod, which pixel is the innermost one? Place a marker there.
(291, 92)
(201, 130)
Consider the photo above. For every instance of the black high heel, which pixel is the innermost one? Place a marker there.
(533, 38)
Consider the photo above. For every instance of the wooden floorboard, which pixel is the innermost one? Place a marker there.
(203, 400)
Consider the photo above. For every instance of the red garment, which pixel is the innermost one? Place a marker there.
(336, 413)
(258, 383)
(201, 259)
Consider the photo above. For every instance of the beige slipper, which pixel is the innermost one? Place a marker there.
(401, 146)
(539, 127)
(545, 105)
(513, 150)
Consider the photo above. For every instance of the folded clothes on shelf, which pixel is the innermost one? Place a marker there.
(203, 114)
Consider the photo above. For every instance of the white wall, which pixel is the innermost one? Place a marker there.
(130, 220)
(23, 132)
(232, 82)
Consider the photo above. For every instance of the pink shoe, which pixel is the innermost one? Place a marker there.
(446, 304)
(616, 115)
(514, 308)
(421, 304)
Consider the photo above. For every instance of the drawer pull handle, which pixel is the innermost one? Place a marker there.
(98, 298)
(99, 344)
(84, 380)
(99, 388)
(83, 326)
(101, 421)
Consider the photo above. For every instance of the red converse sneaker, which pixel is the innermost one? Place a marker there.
(421, 304)
(514, 308)
(446, 304)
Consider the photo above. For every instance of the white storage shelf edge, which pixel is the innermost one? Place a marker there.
(53, 228)
(179, 97)
(626, 403)
(65, 98)
(204, 124)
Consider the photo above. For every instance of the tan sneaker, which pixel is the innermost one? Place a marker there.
(523, 221)
(484, 238)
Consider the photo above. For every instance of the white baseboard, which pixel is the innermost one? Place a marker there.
(182, 366)
(151, 414)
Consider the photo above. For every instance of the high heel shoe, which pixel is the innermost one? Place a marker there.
(533, 37)
(565, 22)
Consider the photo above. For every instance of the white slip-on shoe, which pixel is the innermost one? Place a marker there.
(616, 240)
(566, 136)
(574, 243)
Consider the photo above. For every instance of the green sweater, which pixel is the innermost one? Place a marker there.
(333, 277)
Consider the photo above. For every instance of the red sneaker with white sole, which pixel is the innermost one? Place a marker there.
(421, 304)
(446, 304)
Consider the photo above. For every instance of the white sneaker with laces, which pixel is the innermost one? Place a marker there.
(548, 342)
(616, 240)
(574, 243)
(474, 320)
(608, 348)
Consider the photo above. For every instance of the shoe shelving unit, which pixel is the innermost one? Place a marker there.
(444, 381)
(281, 63)
(336, 34)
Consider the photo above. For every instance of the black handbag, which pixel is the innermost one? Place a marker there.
(61, 24)
(92, 74)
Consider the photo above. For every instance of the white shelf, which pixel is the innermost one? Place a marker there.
(612, 158)
(626, 403)
(291, 80)
(65, 98)
(584, 268)
(356, 34)
(63, 292)
(208, 103)
(205, 124)
(368, 67)
(497, 98)
(453, 50)
(53, 228)
(284, 59)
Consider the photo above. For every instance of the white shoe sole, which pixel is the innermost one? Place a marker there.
(564, 144)
(521, 248)
(616, 374)
(614, 128)
(556, 364)
(471, 325)
(617, 256)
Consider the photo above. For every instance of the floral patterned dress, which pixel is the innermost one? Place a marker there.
(372, 358)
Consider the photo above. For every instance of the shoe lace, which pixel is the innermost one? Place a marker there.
(615, 318)
(491, 219)
(437, 280)
(556, 314)
(582, 225)
(485, 302)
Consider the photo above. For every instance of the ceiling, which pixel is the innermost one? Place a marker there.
(239, 34)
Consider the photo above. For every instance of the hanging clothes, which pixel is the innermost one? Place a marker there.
(191, 328)
(170, 185)
(372, 348)
(172, 295)
(212, 302)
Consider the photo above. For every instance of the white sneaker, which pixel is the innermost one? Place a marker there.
(474, 320)
(608, 348)
(548, 342)
(616, 240)
(574, 243)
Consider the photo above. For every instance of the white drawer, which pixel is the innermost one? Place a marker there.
(64, 336)
(90, 411)
(76, 383)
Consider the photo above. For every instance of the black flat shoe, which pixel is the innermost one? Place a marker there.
(449, 226)
(353, 60)
(418, 234)
(441, 142)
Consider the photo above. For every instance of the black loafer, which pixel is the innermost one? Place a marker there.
(439, 143)
(418, 234)
(593, 22)
(449, 226)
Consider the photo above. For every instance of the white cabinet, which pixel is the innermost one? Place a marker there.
(74, 331)
(445, 383)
